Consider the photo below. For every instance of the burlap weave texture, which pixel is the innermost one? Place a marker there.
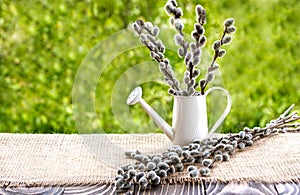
(57, 159)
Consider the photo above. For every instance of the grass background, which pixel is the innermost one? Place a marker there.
(42, 44)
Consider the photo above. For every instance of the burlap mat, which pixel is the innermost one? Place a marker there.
(43, 160)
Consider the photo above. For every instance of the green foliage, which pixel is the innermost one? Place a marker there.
(42, 44)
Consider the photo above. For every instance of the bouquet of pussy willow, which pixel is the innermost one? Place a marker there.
(191, 52)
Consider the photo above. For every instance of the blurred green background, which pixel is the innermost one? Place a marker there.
(42, 44)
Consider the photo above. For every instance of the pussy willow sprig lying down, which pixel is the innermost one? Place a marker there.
(199, 157)
(191, 52)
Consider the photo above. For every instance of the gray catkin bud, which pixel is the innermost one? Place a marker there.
(228, 147)
(195, 35)
(136, 28)
(193, 173)
(221, 53)
(196, 61)
(185, 93)
(193, 47)
(171, 91)
(162, 48)
(129, 153)
(188, 57)
(139, 157)
(155, 180)
(204, 171)
(206, 162)
(225, 141)
(220, 146)
(168, 9)
(171, 170)
(247, 129)
(151, 165)
(231, 29)
(197, 52)
(210, 77)
(138, 152)
(196, 73)
(226, 40)
(234, 143)
(180, 52)
(156, 159)
(175, 159)
(241, 145)
(124, 167)
(248, 136)
(242, 134)
(172, 20)
(202, 41)
(218, 157)
(141, 166)
(185, 147)
(163, 173)
(217, 45)
(143, 38)
(173, 3)
(132, 173)
(179, 151)
(199, 29)
(178, 12)
(191, 167)
(249, 142)
(202, 83)
(155, 31)
(229, 22)
(191, 91)
(194, 152)
(139, 175)
(201, 14)
(149, 26)
(213, 68)
(143, 181)
(179, 167)
(120, 183)
(226, 157)
(190, 160)
(178, 39)
(199, 9)
(130, 167)
(186, 154)
(151, 175)
(141, 23)
(163, 165)
(119, 177)
(218, 152)
(162, 65)
(153, 55)
(186, 79)
(267, 132)
(146, 159)
(178, 25)
(120, 171)
(256, 129)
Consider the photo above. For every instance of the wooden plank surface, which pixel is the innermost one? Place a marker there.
(204, 188)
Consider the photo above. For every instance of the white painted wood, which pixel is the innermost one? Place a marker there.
(188, 188)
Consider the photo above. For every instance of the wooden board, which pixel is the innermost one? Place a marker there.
(204, 188)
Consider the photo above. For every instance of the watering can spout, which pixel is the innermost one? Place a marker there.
(136, 97)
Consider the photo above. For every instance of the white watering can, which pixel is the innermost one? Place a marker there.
(189, 120)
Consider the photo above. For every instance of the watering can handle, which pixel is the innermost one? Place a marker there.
(226, 111)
